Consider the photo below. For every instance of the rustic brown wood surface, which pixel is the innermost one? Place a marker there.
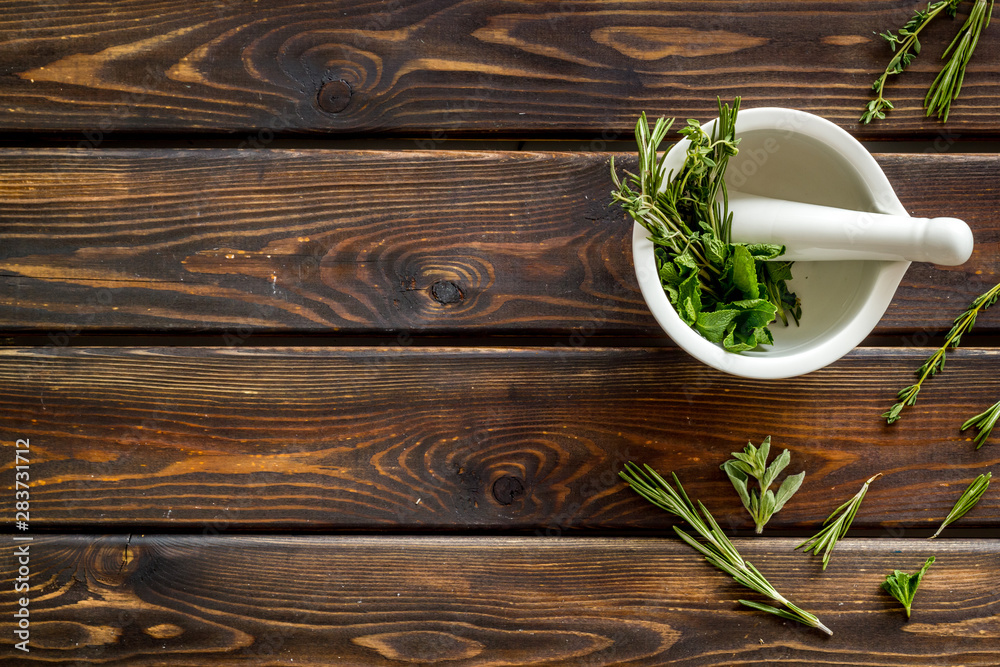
(230, 600)
(442, 68)
(473, 439)
(318, 403)
(232, 243)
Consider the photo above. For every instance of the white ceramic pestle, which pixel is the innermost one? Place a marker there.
(816, 233)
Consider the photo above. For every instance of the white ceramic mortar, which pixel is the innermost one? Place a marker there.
(796, 156)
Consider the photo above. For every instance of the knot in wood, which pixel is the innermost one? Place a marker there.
(507, 489)
(334, 96)
(445, 291)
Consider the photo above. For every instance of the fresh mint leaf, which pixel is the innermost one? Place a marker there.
(903, 586)
(689, 299)
(745, 272)
(766, 251)
(716, 251)
(713, 325)
(779, 270)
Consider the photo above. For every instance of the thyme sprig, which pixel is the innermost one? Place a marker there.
(903, 586)
(984, 423)
(716, 548)
(752, 462)
(966, 501)
(835, 528)
(935, 363)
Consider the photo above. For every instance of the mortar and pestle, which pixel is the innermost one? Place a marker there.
(803, 182)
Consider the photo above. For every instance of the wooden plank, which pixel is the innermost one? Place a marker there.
(233, 243)
(171, 600)
(527, 439)
(442, 68)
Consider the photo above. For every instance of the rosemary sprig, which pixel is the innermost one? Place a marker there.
(717, 548)
(903, 586)
(907, 39)
(752, 462)
(948, 83)
(935, 363)
(835, 528)
(966, 501)
(984, 423)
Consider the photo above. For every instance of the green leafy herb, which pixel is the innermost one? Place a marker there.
(752, 462)
(935, 363)
(984, 422)
(716, 548)
(903, 586)
(836, 528)
(728, 292)
(948, 83)
(905, 46)
(966, 501)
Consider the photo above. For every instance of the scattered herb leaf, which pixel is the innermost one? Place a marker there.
(903, 586)
(935, 363)
(716, 548)
(728, 292)
(966, 501)
(984, 423)
(835, 528)
(752, 462)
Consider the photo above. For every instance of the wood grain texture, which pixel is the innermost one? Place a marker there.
(232, 243)
(181, 600)
(442, 68)
(208, 440)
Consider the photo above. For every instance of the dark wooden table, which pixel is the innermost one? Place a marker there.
(328, 346)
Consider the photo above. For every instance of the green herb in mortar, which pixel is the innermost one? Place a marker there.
(728, 292)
